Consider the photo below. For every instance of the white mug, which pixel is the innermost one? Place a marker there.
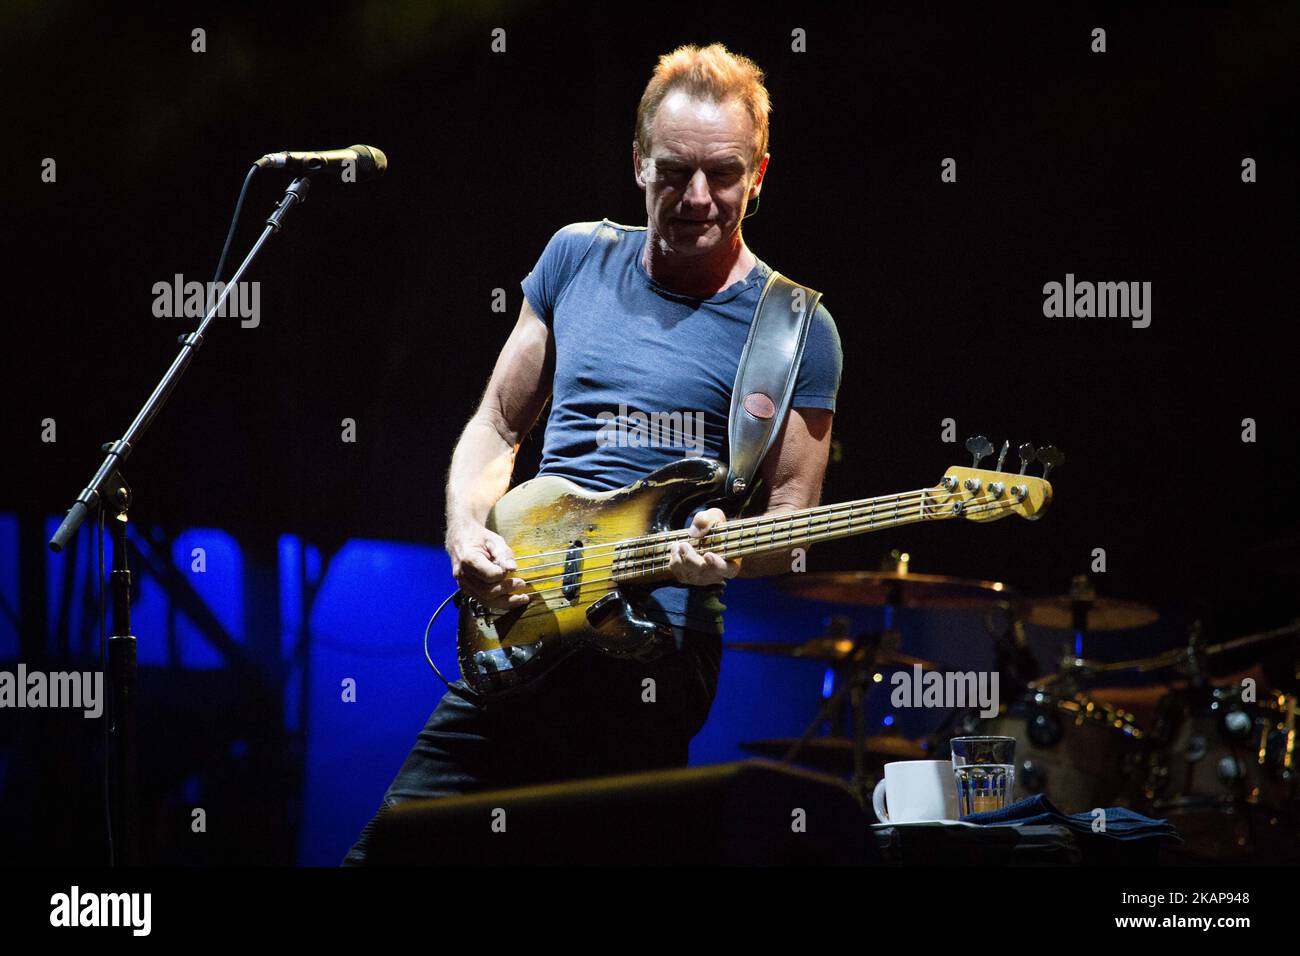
(916, 790)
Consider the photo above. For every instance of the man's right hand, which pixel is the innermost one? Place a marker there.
(484, 567)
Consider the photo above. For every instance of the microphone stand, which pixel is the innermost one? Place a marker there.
(108, 489)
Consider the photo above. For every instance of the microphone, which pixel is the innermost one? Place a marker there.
(368, 162)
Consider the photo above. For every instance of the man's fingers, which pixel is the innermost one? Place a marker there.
(503, 595)
(511, 600)
(728, 569)
(500, 552)
(705, 520)
(481, 568)
(689, 566)
(689, 556)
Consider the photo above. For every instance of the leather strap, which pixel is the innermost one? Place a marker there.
(769, 366)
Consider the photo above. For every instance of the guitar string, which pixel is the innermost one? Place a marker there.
(738, 527)
(649, 556)
(535, 608)
(649, 565)
(840, 528)
(745, 522)
(725, 534)
(885, 506)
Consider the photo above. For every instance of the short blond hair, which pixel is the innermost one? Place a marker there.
(711, 72)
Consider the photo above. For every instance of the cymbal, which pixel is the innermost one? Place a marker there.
(835, 754)
(828, 649)
(1102, 614)
(902, 589)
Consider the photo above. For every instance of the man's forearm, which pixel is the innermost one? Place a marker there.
(480, 472)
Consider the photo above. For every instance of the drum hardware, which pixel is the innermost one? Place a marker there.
(853, 680)
(1012, 655)
(1223, 773)
(835, 649)
(1191, 658)
(894, 588)
(1214, 745)
(1222, 764)
(854, 662)
(1279, 558)
(1079, 751)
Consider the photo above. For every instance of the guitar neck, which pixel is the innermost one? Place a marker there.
(646, 559)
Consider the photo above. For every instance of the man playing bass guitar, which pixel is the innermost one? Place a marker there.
(619, 320)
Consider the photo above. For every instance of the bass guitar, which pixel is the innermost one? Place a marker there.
(577, 550)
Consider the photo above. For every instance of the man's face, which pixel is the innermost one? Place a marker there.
(697, 178)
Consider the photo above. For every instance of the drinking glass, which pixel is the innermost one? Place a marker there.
(985, 772)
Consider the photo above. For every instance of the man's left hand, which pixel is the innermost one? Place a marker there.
(689, 566)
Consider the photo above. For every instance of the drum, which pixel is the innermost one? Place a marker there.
(1079, 752)
(1223, 770)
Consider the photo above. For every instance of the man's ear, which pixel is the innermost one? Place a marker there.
(758, 181)
(636, 166)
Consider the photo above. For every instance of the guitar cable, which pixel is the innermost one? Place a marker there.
(472, 696)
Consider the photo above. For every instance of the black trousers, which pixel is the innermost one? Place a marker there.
(591, 716)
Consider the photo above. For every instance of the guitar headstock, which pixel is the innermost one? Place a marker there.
(980, 494)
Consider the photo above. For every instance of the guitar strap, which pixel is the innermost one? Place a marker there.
(765, 380)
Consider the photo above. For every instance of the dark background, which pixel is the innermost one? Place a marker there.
(376, 301)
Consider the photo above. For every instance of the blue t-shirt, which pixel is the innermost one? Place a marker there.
(643, 375)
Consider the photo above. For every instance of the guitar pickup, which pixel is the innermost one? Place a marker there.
(572, 573)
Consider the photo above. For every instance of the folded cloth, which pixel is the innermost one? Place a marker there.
(1118, 823)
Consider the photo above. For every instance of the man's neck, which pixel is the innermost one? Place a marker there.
(699, 277)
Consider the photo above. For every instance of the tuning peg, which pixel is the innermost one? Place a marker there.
(1051, 457)
(1002, 455)
(1026, 456)
(979, 448)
